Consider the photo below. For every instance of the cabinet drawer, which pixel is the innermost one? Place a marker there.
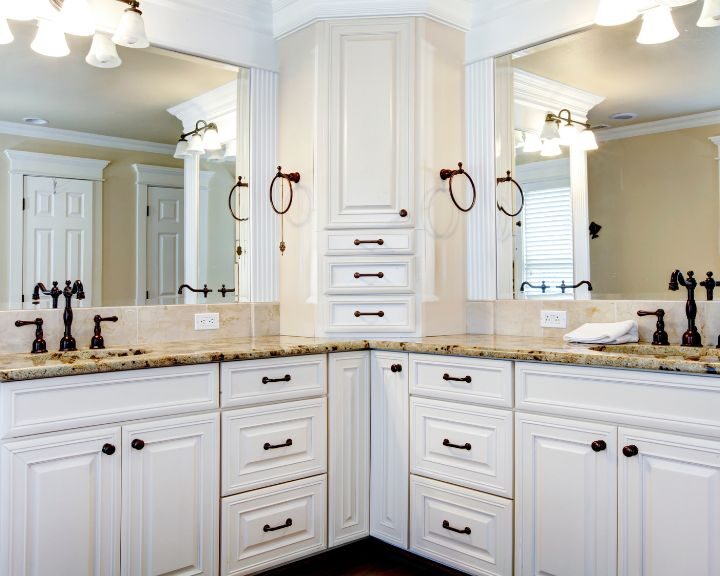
(273, 379)
(273, 526)
(48, 405)
(463, 379)
(371, 314)
(462, 444)
(361, 275)
(483, 544)
(271, 444)
(370, 242)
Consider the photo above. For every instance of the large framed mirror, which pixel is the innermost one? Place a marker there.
(630, 190)
(96, 188)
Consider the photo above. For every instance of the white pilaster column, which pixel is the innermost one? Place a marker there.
(191, 230)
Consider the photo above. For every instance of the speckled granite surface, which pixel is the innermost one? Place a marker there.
(14, 367)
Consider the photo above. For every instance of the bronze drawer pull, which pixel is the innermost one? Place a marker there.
(269, 446)
(285, 378)
(358, 314)
(466, 446)
(287, 524)
(378, 275)
(380, 242)
(447, 526)
(449, 378)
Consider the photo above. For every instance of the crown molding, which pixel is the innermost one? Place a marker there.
(659, 126)
(147, 175)
(53, 165)
(218, 106)
(291, 15)
(715, 140)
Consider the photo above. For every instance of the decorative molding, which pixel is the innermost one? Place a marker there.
(86, 138)
(659, 126)
(147, 175)
(716, 140)
(218, 106)
(52, 165)
(291, 15)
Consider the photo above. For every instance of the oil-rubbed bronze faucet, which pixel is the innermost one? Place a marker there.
(542, 286)
(660, 337)
(38, 346)
(68, 344)
(691, 337)
(564, 286)
(709, 284)
(204, 291)
(97, 342)
(54, 293)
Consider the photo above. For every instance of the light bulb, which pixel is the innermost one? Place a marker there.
(550, 148)
(710, 15)
(76, 18)
(6, 35)
(587, 141)
(550, 131)
(658, 26)
(616, 12)
(131, 30)
(532, 143)
(568, 134)
(196, 145)
(211, 139)
(50, 40)
(103, 53)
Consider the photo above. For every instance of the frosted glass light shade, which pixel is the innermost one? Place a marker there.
(19, 9)
(131, 30)
(550, 148)
(211, 139)
(231, 149)
(76, 18)
(550, 131)
(587, 141)
(196, 145)
(616, 12)
(6, 35)
(568, 134)
(103, 53)
(182, 149)
(50, 40)
(532, 143)
(216, 155)
(658, 26)
(710, 15)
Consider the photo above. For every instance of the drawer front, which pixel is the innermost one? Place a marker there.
(370, 242)
(268, 445)
(52, 404)
(462, 444)
(273, 526)
(370, 275)
(391, 314)
(462, 528)
(462, 379)
(272, 380)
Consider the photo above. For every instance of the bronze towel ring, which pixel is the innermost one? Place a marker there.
(446, 174)
(292, 177)
(240, 184)
(509, 178)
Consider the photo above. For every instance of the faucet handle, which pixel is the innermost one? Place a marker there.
(39, 345)
(709, 284)
(98, 342)
(660, 337)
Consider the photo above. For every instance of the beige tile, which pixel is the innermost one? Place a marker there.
(579, 312)
(266, 319)
(170, 324)
(480, 317)
(235, 320)
(123, 333)
(21, 339)
(518, 318)
(675, 320)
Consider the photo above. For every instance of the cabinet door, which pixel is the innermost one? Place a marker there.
(349, 444)
(669, 505)
(60, 503)
(390, 450)
(566, 520)
(171, 497)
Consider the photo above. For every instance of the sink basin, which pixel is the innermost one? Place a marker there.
(704, 354)
(98, 354)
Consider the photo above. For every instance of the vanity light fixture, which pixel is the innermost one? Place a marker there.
(710, 15)
(76, 18)
(103, 53)
(50, 40)
(616, 12)
(203, 138)
(560, 129)
(658, 26)
(131, 30)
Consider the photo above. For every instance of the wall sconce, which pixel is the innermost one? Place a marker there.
(203, 138)
(560, 129)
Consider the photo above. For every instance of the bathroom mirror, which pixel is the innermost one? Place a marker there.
(647, 200)
(92, 187)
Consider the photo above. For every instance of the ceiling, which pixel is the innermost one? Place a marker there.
(127, 102)
(659, 81)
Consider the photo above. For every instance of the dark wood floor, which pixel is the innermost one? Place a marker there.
(368, 557)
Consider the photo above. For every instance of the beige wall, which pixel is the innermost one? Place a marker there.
(656, 198)
(119, 210)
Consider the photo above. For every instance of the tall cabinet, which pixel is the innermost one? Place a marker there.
(370, 111)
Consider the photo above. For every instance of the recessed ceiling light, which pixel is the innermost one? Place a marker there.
(35, 121)
(623, 116)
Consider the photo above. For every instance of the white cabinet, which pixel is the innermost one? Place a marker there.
(60, 505)
(669, 505)
(171, 497)
(389, 448)
(566, 490)
(349, 447)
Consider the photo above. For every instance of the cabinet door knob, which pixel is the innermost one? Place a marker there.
(396, 368)
(403, 213)
(137, 444)
(108, 449)
(630, 451)
(599, 446)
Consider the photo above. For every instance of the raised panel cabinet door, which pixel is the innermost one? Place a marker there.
(389, 448)
(566, 497)
(669, 505)
(349, 447)
(60, 505)
(171, 497)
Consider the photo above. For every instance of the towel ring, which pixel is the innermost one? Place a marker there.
(446, 174)
(292, 177)
(509, 178)
(240, 184)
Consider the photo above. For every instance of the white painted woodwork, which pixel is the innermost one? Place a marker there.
(490, 380)
(348, 447)
(165, 244)
(486, 466)
(60, 503)
(247, 548)
(566, 507)
(246, 462)
(398, 314)
(170, 497)
(340, 243)
(389, 448)
(674, 402)
(47, 405)
(398, 275)
(191, 226)
(242, 384)
(669, 505)
(486, 551)
(371, 78)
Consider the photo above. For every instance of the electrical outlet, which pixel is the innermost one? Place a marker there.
(553, 319)
(209, 321)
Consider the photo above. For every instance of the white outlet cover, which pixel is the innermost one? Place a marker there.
(210, 321)
(553, 319)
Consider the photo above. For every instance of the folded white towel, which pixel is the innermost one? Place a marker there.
(605, 333)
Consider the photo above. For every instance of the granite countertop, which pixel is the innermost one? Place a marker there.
(15, 367)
